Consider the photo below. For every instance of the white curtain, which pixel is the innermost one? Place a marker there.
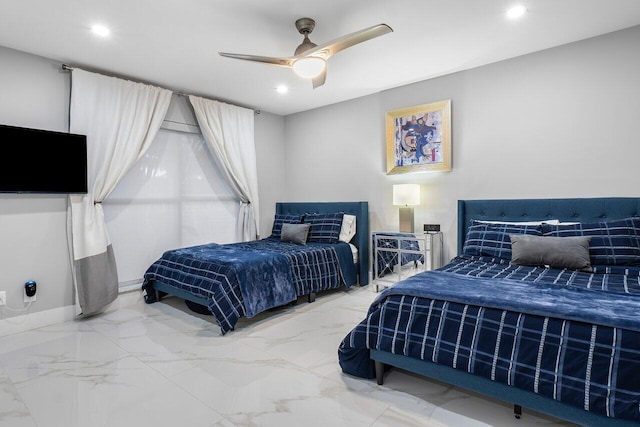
(229, 133)
(120, 119)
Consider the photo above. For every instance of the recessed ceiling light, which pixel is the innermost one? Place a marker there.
(282, 89)
(100, 30)
(516, 11)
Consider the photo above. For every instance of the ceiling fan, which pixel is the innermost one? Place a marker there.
(309, 59)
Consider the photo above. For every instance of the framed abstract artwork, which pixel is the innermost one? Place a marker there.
(419, 138)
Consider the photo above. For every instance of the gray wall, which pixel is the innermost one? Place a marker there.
(34, 92)
(557, 123)
(33, 240)
(269, 131)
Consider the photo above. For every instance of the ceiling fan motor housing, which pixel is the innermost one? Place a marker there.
(305, 25)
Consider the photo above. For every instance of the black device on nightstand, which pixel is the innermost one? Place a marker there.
(431, 228)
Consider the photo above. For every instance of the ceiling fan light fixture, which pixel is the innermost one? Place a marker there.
(100, 30)
(309, 67)
(516, 11)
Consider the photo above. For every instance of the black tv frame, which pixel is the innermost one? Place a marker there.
(42, 161)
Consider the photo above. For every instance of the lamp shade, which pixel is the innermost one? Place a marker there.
(406, 194)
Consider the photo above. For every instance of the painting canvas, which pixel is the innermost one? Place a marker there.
(419, 138)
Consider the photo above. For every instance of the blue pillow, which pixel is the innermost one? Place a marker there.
(325, 228)
(612, 242)
(492, 240)
(276, 230)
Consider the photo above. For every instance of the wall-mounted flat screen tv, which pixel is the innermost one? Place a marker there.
(42, 161)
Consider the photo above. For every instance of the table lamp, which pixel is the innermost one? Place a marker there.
(406, 196)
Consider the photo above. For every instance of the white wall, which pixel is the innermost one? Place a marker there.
(556, 123)
(34, 92)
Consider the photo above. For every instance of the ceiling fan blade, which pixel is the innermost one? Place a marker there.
(283, 62)
(320, 78)
(329, 49)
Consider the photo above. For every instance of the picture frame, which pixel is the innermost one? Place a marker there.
(419, 138)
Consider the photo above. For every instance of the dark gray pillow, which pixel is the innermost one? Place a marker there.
(296, 233)
(556, 252)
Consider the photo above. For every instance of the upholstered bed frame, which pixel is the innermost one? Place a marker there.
(582, 210)
(360, 240)
(565, 210)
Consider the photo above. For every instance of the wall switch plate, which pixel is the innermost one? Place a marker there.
(431, 228)
(3, 297)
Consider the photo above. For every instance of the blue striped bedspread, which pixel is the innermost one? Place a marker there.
(571, 336)
(244, 279)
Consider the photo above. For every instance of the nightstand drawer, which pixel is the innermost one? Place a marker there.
(399, 255)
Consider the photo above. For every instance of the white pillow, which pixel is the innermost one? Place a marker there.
(547, 221)
(354, 252)
(348, 229)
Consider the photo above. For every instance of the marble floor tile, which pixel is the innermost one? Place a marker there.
(13, 411)
(164, 365)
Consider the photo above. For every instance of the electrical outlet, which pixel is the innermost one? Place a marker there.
(3, 297)
(29, 299)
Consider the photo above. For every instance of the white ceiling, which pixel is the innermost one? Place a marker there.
(174, 43)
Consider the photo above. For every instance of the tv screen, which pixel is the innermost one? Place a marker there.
(41, 161)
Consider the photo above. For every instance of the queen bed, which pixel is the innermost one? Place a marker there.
(541, 308)
(313, 247)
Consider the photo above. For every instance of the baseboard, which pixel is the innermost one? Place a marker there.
(26, 322)
(39, 319)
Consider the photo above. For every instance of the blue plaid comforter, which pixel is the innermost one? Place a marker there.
(244, 279)
(571, 336)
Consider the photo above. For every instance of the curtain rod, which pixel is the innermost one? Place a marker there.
(66, 67)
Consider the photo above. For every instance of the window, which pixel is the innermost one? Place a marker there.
(173, 197)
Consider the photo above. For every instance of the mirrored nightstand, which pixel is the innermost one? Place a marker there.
(397, 256)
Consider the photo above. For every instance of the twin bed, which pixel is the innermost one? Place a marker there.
(243, 279)
(558, 332)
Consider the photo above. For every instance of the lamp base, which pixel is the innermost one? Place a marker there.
(406, 220)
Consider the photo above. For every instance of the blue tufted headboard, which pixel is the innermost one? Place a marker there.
(360, 240)
(580, 210)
